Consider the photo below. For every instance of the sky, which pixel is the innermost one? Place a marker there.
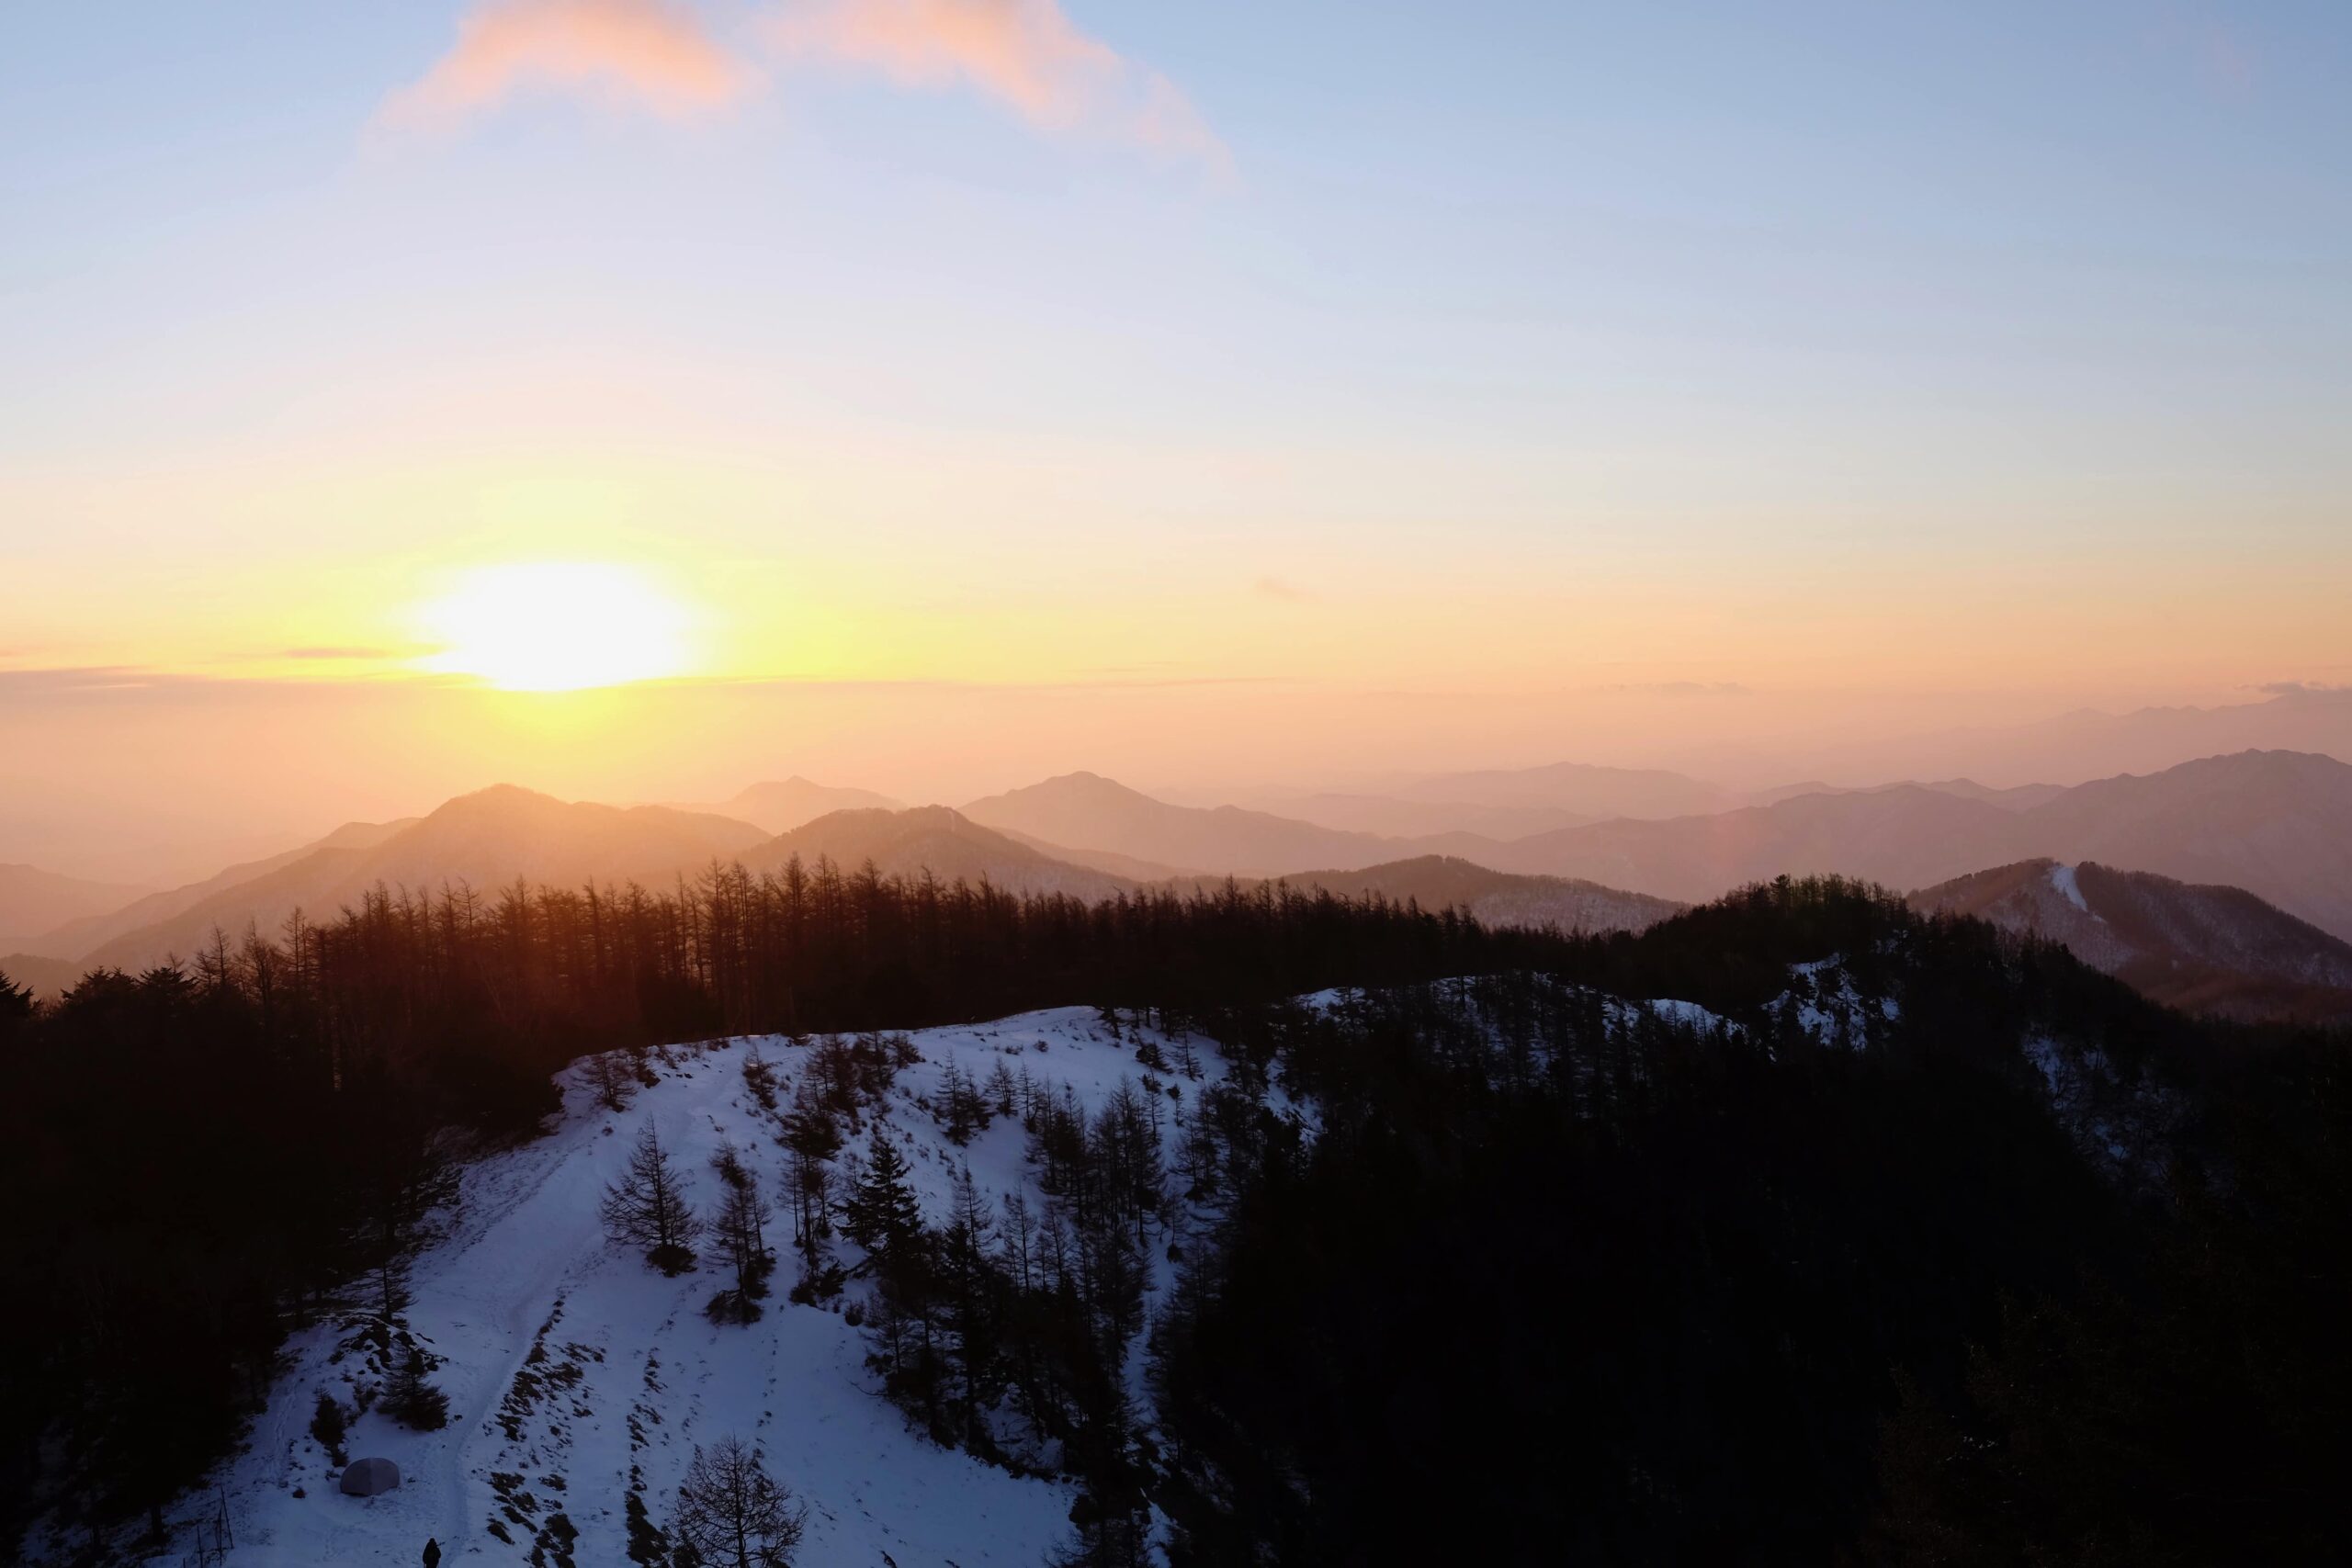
(928, 394)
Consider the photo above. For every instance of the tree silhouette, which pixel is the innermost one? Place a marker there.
(732, 1514)
(647, 1207)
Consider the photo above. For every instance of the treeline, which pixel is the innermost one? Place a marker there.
(201, 1157)
(1562, 1279)
(1547, 1274)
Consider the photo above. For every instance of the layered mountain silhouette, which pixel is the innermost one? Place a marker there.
(45, 976)
(2017, 797)
(2206, 949)
(936, 839)
(92, 931)
(1903, 836)
(1391, 818)
(1496, 897)
(1087, 812)
(1508, 802)
(2277, 824)
(2087, 744)
(778, 806)
(482, 840)
(1582, 788)
(33, 901)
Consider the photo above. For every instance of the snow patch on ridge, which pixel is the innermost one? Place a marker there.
(575, 1373)
(2070, 887)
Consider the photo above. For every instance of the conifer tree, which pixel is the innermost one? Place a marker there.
(410, 1400)
(16, 1007)
(647, 1207)
(741, 1231)
(883, 1215)
(969, 1283)
(329, 1425)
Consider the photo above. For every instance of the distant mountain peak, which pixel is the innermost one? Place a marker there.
(2198, 946)
(778, 806)
(492, 796)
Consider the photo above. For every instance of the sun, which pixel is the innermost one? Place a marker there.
(556, 626)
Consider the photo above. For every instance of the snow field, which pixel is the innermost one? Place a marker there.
(575, 1371)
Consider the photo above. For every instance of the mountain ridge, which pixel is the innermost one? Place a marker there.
(2199, 947)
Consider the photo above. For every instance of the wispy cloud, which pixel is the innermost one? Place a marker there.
(2307, 691)
(1284, 592)
(335, 653)
(1026, 54)
(652, 54)
(2222, 58)
(72, 681)
(1687, 688)
(664, 56)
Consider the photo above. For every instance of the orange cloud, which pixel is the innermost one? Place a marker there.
(660, 55)
(651, 53)
(1025, 53)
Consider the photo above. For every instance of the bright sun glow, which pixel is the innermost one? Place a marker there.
(556, 626)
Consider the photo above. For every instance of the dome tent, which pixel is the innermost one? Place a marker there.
(368, 1476)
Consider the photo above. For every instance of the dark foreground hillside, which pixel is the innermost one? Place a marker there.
(1564, 1284)
(1892, 1238)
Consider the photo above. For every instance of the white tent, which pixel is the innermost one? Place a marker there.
(368, 1476)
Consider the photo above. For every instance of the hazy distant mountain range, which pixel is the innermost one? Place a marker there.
(2206, 949)
(1085, 811)
(2276, 823)
(778, 806)
(93, 932)
(2087, 744)
(1388, 817)
(932, 838)
(1496, 897)
(2272, 826)
(1579, 787)
(483, 840)
(33, 901)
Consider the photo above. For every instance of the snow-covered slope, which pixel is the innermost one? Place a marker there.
(576, 1373)
(2207, 949)
(580, 1380)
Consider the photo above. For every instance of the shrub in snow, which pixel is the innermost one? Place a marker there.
(412, 1401)
(328, 1425)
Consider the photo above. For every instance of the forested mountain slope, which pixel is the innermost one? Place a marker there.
(580, 1380)
(1494, 897)
(1797, 1225)
(2218, 950)
(2276, 823)
(76, 938)
(477, 843)
(930, 839)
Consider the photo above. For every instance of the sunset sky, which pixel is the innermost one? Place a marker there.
(931, 393)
